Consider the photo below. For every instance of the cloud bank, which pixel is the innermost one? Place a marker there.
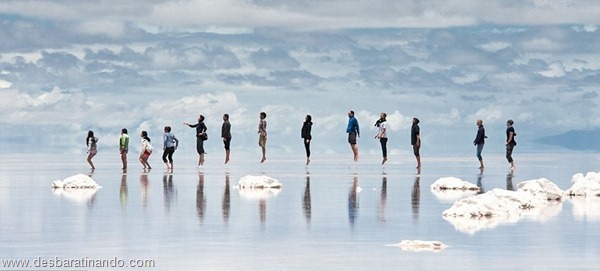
(66, 67)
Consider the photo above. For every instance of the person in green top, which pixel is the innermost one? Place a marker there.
(124, 147)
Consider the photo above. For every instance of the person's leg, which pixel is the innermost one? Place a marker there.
(164, 158)
(509, 150)
(417, 155)
(479, 157)
(307, 149)
(355, 151)
(200, 147)
(124, 159)
(227, 143)
(263, 146)
(91, 155)
(383, 142)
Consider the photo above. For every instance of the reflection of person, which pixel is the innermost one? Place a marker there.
(383, 199)
(306, 136)
(353, 202)
(200, 138)
(168, 191)
(226, 136)
(480, 141)
(510, 142)
(415, 197)
(124, 147)
(170, 143)
(144, 183)
(123, 191)
(382, 135)
(91, 141)
(200, 198)
(415, 140)
(306, 202)
(262, 138)
(353, 132)
(226, 203)
(146, 150)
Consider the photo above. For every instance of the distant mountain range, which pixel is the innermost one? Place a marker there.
(588, 140)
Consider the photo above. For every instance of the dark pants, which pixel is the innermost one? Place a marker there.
(200, 146)
(307, 147)
(383, 142)
(168, 153)
(509, 150)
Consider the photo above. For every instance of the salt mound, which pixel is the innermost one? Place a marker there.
(418, 245)
(450, 189)
(535, 197)
(453, 183)
(541, 189)
(258, 187)
(258, 182)
(588, 185)
(79, 181)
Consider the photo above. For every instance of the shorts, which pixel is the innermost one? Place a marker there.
(416, 149)
(352, 138)
(93, 152)
(200, 146)
(262, 141)
(227, 142)
(123, 151)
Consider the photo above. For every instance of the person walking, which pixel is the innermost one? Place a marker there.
(480, 141)
(353, 131)
(91, 142)
(415, 140)
(170, 143)
(510, 143)
(201, 136)
(146, 150)
(262, 138)
(226, 136)
(306, 136)
(381, 124)
(124, 147)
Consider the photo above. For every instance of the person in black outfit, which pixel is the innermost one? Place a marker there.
(306, 128)
(510, 142)
(201, 136)
(480, 141)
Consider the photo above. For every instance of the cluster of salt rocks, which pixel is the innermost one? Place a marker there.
(538, 198)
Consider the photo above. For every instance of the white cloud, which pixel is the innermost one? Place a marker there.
(5, 84)
(554, 70)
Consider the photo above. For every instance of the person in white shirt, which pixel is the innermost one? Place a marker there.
(382, 135)
(146, 150)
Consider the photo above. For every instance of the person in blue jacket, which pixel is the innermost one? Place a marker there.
(353, 133)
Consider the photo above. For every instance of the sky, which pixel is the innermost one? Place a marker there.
(67, 67)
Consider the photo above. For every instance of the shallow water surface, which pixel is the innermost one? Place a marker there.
(332, 215)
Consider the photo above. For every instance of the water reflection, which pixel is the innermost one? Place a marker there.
(226, 203)
(200, 198)
(262, 209)
(509, 183)
(383, 199)
(415, 197)
(123, 193)
(169, 191)
(480, 183)
(144, 184)
(353, 201)
(306, 203)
